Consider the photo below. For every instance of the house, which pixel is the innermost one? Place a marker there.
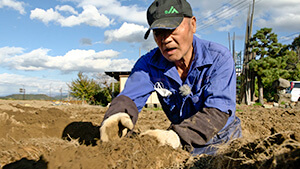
(122, 77)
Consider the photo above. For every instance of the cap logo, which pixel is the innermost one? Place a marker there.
(171, 10)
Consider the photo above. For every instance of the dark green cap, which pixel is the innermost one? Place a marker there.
(167, 14)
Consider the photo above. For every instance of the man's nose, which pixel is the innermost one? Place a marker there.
(166, 37)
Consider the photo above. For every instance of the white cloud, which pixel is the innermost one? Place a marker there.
(281, 15)
(128, 32)
(126, 13)
(45, 16)
(11, 83)
(132, 13)
(74, 60)
(9, 52)
(89, 16)
(94, 13)
(16, 5)
(34, 60)
(66, 8)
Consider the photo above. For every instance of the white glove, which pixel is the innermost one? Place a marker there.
(115, 127)
(164, 137)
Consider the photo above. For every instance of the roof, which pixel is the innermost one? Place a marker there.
(116, 74)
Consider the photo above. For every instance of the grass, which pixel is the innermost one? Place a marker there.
(257, 104)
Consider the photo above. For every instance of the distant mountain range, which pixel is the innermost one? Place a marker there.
(32, 97)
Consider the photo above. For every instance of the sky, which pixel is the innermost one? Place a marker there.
(45, 43)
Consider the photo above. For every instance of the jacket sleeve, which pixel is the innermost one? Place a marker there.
(200, 128)
(139, 86)
(137, 89)
(220, 91)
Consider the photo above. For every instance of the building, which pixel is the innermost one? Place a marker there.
(122, 77)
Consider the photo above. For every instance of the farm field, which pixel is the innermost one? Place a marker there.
(32, 132)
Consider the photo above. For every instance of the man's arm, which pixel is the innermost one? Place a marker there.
(200, 128)
(123, 111)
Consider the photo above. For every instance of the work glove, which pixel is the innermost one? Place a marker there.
(115, 127)
(164, 137)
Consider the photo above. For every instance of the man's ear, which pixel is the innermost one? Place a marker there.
(193, 24)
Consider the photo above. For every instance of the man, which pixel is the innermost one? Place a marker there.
(195, 81)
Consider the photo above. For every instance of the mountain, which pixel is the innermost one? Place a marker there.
(27, 97)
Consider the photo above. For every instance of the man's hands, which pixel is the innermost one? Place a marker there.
(165, 137)
(115, 127)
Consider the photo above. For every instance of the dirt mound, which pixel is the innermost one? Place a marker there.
(280, 150)
(40, 134)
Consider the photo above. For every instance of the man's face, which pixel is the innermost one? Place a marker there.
(176, 44)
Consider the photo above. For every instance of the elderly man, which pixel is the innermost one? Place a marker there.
(195, 81)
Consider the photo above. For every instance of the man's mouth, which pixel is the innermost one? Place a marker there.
(169, 49)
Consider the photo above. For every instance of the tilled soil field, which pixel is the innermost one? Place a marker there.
(40, 135)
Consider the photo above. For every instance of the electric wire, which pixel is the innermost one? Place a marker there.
(220, 16)
(225, 14)
(221, 10)
(290, 37)
(218, 10)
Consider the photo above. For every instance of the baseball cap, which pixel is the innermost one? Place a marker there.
(167, 14)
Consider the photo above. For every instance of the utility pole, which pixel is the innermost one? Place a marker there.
(252, 56)
(22, 90)
(60, 93)
(233, 47)
(50, 90)
(229, 41)
(113, 89)
(245, 96)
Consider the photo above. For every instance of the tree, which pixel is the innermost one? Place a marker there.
(97, 90)
(273, 61)
(109, 86)
(84, 88)
(263, 43)
(296, 46)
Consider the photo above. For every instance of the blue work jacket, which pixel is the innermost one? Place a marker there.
(211, 78)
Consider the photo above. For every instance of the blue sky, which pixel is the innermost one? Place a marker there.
(44, 44)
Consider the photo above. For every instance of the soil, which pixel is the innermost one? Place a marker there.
(43, 134)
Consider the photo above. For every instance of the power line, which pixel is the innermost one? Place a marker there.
(219, 16)
(225, 14)
(215, 11)
(229, 12)
(235, 8)
(291, 37)
(221, 10)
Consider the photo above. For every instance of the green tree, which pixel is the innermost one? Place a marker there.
(296, 46)
(84, 88)
(97, 90)
(263, 43)
(109, 88)
(273, 60)
(106, 95)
